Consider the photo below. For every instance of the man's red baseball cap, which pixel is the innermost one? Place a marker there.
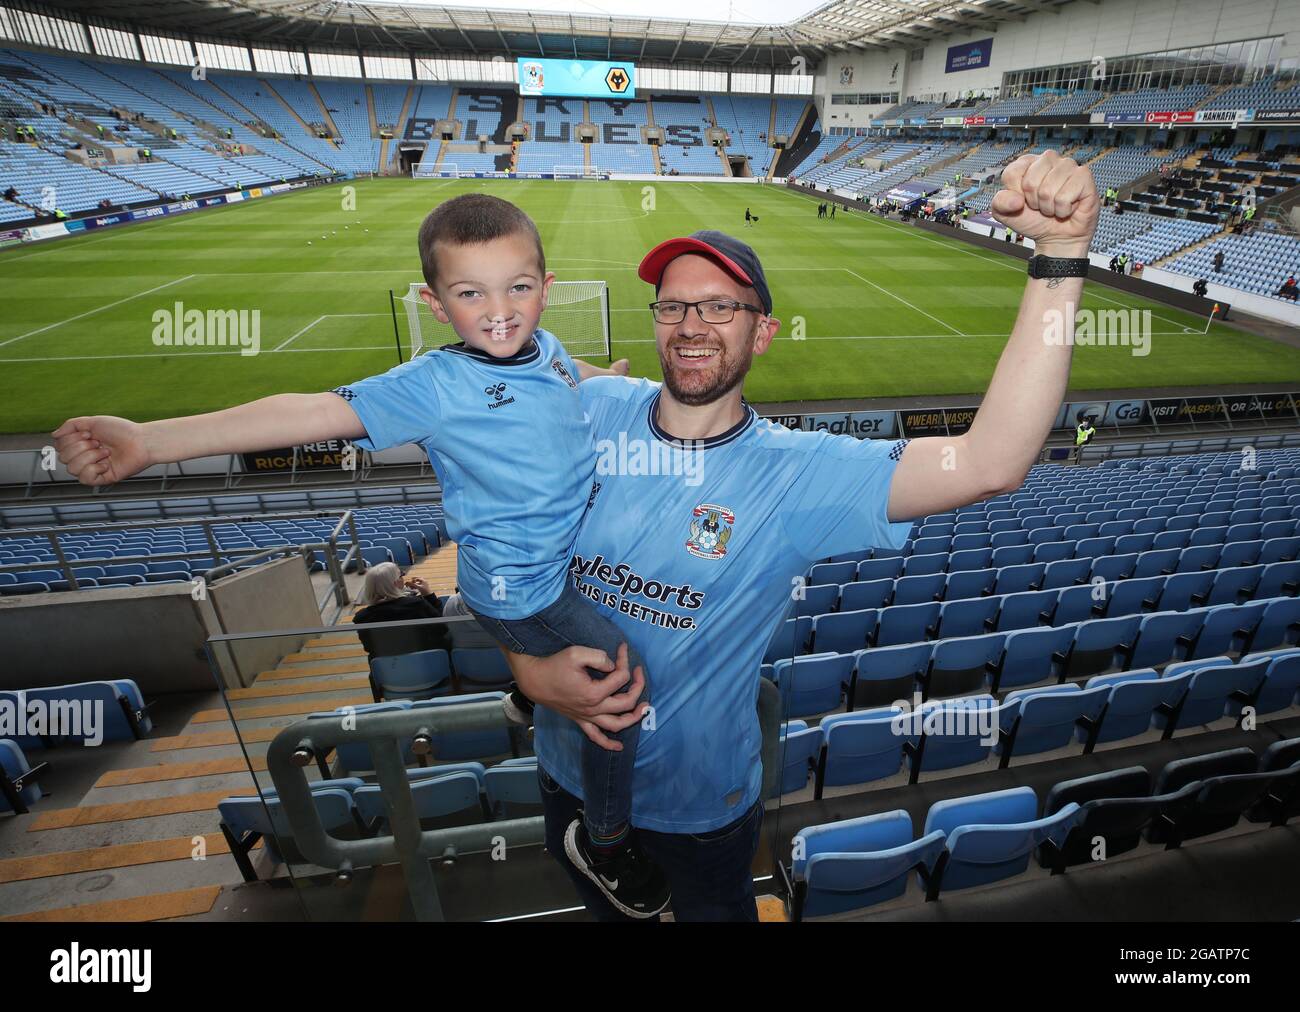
(735, 257)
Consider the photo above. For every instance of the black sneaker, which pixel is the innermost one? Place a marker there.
(628, 878)
(518, 707)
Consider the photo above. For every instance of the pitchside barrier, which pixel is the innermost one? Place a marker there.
(22, 475)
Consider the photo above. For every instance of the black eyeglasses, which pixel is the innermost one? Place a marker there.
(710, 311)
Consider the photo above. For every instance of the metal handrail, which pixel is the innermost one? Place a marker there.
(297, 748)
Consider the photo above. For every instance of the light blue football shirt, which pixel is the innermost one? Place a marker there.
(696, 563)
(509, 441)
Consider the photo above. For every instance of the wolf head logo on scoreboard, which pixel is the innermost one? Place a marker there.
(711, 528)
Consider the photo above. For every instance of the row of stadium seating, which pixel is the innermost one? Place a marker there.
(865, 746)
(1256, 262)
(122, 558)
(982, 839)
(1184, 600)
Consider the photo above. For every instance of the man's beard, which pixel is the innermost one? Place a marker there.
(696, 389)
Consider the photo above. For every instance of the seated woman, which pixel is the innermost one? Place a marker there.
(386, 597)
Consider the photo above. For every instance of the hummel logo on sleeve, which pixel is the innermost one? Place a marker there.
(347, 393)
(896, 451)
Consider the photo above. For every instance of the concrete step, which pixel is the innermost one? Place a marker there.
(153, 907)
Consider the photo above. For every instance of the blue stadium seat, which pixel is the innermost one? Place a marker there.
(860, 747)
(481, 670)
(1164, 636)
(1026, 610)
(964, 664)
(967, 584)
(1042, 719)
(512, 788)
(1279, 626)
(857, 863)
(865, 595)
(813, 684)
(919, 589)
(800, 750)
(968, 617)
(20, 787)
(883, 675)
(1034, 655)
(909, 623)
(459, 745)
(417, 675)
(990, 837)
(1101, 645)
(817, 600)
(1226, 629)
(1016, 579)
(841, 632)
(948, 733)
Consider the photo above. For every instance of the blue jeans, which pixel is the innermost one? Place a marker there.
(709, 873)
(572, 621)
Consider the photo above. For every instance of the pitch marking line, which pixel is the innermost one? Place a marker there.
(903, 301)
(92, 312)
(957, 247)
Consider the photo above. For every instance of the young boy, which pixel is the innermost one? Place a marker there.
(503, 423)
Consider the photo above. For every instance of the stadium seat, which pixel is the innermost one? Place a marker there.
(813, 684)
(883, 675)
(857, 863)
(800, 749)
(990, 837)
(417, 675)
(859, 748)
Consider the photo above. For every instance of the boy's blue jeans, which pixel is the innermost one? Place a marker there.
(572, 621)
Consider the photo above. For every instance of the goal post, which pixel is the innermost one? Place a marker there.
(577, 313)
(426, 170)
(576, 171)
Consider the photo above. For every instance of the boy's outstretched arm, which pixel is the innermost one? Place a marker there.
(586, 370)
(102, 449)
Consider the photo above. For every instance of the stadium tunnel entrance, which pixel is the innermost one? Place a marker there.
(410, 155)
(739, 166)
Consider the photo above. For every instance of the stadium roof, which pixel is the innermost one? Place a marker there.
(838, 26)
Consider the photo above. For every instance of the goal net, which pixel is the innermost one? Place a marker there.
(577, 312)
(576, 171)
(426, 170)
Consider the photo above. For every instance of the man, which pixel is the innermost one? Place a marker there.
(699, 573)
(1218, 262)
(1083, 433)
(1009, 234)
(833, 207)
(1200, 288)
(1289, 289)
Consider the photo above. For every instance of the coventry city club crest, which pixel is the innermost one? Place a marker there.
(563, 373)
(711, 528)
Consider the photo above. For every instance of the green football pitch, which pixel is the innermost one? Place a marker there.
(884, 309)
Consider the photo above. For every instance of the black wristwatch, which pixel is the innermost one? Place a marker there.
(1058, 267)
